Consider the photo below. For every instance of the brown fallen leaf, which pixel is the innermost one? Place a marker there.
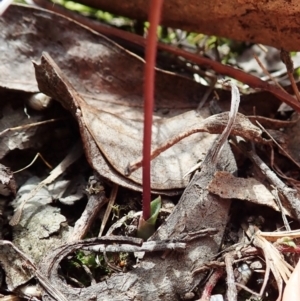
(120, 135)
(120, 139)
(228, 186)
(98, 70)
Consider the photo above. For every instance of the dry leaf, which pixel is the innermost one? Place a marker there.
(227, 186)
(16, 273)
(40, 228)
(99, 71)
(120, 139)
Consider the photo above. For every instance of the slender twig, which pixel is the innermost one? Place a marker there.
(235, 102)
(148, 246)
(27, 126)
(206, 94)
(264, 69)
(110, 205)
(154, 17)
(32, 162)
(231, 288)
(244, 287)
(286, 59)
(83, 224)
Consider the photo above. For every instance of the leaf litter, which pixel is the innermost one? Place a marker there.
(120, 98)
(92, 81)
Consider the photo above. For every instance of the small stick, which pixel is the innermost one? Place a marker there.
(190, 236)
(231, 288)
(266, 277)
(122, 221)
(112, 266)
(206, 94)
(110, 204)
(82, 225)
(89, 274)
(279, 204)
(32, 162)
(290, 194)
(267, 72)
(286, 59)
(26, 126)
(244, 287)
(148, 246)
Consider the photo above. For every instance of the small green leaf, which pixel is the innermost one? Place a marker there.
(147, 228)
(288, 241)
(155, 208)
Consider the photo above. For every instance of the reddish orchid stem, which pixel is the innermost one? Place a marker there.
(154, 18)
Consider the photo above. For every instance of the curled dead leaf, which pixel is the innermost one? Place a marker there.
(228, 186)
(119, 138)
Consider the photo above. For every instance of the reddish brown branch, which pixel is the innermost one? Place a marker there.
(243, 77)
(210, 284)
